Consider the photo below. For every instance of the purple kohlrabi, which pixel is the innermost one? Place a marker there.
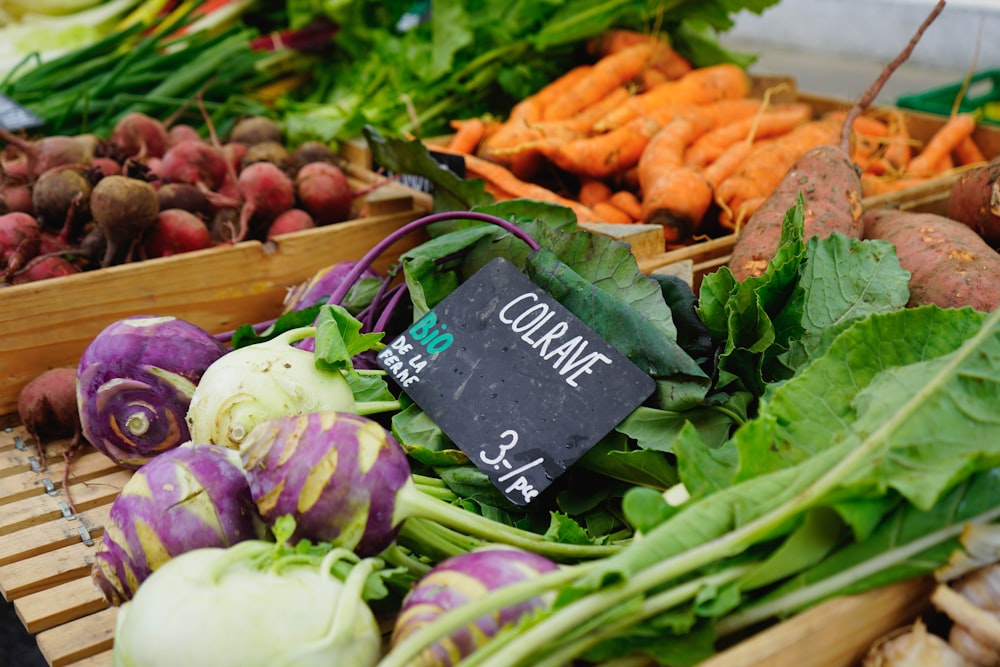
(134, 383)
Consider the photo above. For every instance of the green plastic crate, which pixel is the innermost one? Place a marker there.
(982, 95)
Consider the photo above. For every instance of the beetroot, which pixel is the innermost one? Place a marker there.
(234, 153)
(255, 130)
(195, 162)
(184, 196)
(267, 192)
(43, 268)
(61, 197)
(181, 132)
(53, 151)
(292, 220)
(323, 190)
(108, 166)
(17, 196)
(20, 240)
(310, 151)
(266, 151)
(47, 407)
(176, 231)
(140, 136)
(123, 209)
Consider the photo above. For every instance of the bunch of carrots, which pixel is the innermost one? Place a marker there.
(642, 135)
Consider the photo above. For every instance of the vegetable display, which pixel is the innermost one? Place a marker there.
(824, 416)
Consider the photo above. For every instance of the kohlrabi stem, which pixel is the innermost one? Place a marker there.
(601, 630)
(411, 502)
(366, 261)
(399, 557)
(425, 537)
(376, 407)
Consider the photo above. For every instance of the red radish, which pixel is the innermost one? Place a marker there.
(181, 132)
(323, 190)
(176, 231)
(52, 242)
(267, 192)
(194, 162)
(43, 268)
(47, 407)
(292, 220)
(140, 136)
(20, 240)
(53, 151)
(108, 166)
(123, 209)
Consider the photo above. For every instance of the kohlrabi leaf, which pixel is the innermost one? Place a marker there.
(613, 457)
(638, 334)
(339, 338)
(798, 416)
(296, 319)
(841, 280)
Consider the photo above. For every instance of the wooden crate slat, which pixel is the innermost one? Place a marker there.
(45, 570)
(87, 465)
(71, 642)
(19, 453)
(102, 659)
(59, 604)
(39, 509)
(246, 282)
(54, 534)
(835, 633)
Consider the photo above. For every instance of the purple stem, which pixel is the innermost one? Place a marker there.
(386, 313)
(381, 246)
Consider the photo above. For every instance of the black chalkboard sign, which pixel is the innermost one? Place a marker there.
(518, 382)
(15, 117)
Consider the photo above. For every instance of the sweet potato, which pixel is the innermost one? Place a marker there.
(831, 188)
(949, 264)
(975, 201)
(827, 178)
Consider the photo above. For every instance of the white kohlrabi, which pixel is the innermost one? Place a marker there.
(240, 607)
(263, 381)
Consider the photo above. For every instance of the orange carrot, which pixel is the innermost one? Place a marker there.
(766, 165)
(606, 74)
(665, 61)
(608, 212)
(724, 165)
(699, 86)
(605, 154)
(942, 143)
(674, 195)
(468, 133)
(968, 152)
(628, 202)
(592, 191)
(772, 122)
(517, 129)
(503, 180)
(873, 185)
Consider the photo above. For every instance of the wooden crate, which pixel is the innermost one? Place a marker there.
(49, 323)
(46, 553)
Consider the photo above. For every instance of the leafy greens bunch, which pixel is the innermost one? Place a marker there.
(408, 66)
(826, 438)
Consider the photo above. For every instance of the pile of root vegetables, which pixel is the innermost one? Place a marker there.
(73, 203)
(642, 135)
